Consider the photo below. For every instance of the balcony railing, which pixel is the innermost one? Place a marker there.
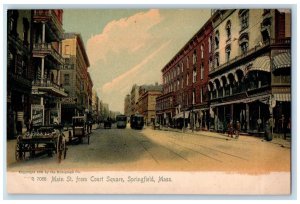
(47, 48)
(50, 15)
(46, 84)
(285, 41)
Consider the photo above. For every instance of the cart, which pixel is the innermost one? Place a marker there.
(80, 129)
(41, 140)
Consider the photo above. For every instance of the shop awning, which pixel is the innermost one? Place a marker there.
(282, 60)
(263, 99)
(261, 64)
(180, 115)
(282, 97)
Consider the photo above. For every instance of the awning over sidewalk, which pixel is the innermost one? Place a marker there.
(282, 60)
(263, 99)
(282, 97)
(261, 64)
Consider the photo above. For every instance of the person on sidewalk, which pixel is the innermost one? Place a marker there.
(237, 130)
(230, 129)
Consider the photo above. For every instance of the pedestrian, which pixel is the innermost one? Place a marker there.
(259, 124)
(230, 129)
(237, 129)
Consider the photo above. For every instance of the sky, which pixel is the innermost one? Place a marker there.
(127, 46)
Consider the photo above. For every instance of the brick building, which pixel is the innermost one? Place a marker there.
(185, 80)
(127, 105)
(147, 101)
(74, 76)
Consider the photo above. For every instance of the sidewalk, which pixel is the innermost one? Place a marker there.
(277, 138)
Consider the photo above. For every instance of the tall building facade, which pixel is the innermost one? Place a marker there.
(19, 70)
(47, 62)
(184, 100)
(250, 78)
(134, 99)
(127, 105)
(147, 101)
(74, 77)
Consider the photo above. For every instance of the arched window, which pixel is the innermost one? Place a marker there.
(187, 62)
(244, 18)
(210, 44)
(187, 79)
(194, 75)
(228, 29)
(194, 57)
(227, 51)
(217, 60)
(217, 39)
(202, 51)
(243, 41)
(202, 70)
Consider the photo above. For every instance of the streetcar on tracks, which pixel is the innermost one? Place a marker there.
(121, 121)
(137, 121)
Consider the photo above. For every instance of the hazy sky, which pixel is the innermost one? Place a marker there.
(131, 46)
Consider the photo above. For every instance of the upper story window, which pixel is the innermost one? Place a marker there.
(228, 29)
(217, 39)
(202, 51)
(187, 79)
(178, 70)
(193, 97)
(194, 75)
(217, 60)
(265, 29)
(210, 44)
(210, 64)
(202, 70)
(187, 62)
(243, 41)
(194, 57)
(227, 51)
(244, 18)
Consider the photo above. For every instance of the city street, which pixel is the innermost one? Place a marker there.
(159, 150)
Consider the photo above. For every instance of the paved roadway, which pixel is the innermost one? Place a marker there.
(148, 149)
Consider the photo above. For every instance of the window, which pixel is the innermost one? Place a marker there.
(210, 64)
(178, 70)
(194, 57)
(210, 44)
(217, 62)
(194, 75)
(194, 97)
(202, 51)
(217, 38)
(202, 70)
(178, 84)
(244, 47)
(66, 79)
(187, 62)
(244, 18)
(243, 41)
(201, 94)
(187, 79)
(228, 29)
(182, 82)
(228, 50)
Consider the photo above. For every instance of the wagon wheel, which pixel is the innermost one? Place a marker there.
(19, 154)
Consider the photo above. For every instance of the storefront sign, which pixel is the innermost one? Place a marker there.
(37, 114)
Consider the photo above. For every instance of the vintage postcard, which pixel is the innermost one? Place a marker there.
(149, 101)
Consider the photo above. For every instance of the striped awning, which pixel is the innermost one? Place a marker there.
(282, 60)
(261, 64)
(282, 96)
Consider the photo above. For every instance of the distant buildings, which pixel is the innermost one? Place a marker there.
(147, 101)
(142, 100)
(127, 105)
